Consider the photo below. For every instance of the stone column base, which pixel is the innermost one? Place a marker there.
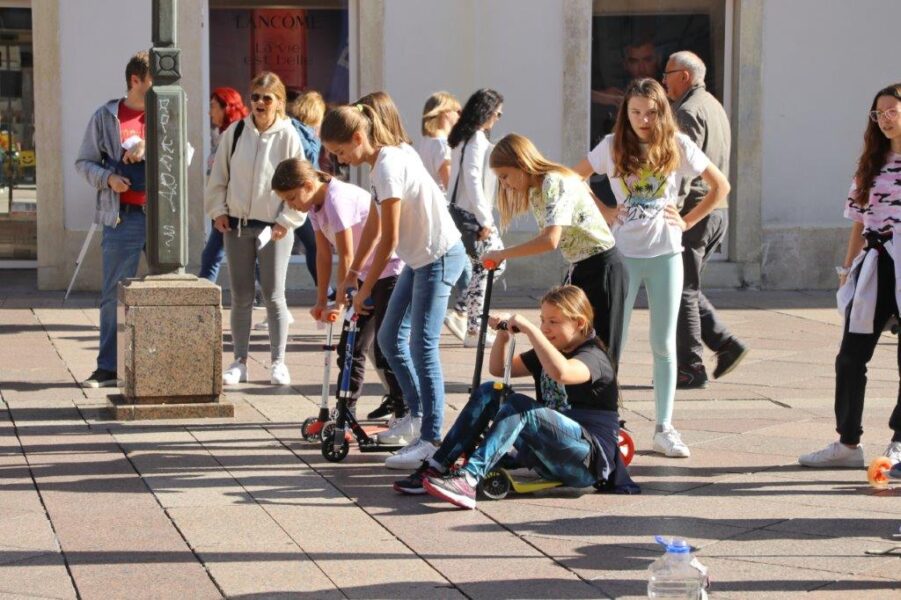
(170, 349)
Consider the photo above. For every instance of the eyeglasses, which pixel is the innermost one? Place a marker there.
(665, 73)
(267, 99)
(884, 115)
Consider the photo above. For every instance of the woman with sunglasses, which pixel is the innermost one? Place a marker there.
(472, 187)
(255, 223)
(868, 296)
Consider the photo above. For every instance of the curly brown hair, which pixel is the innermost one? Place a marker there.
(875, 149)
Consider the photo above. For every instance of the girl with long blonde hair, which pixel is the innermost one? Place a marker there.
(566, 213)
(646, 160)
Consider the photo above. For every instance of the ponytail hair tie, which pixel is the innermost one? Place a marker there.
(359, 107)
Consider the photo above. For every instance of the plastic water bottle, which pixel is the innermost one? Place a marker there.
(676, 574)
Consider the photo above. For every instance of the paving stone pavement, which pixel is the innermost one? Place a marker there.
(243, 508)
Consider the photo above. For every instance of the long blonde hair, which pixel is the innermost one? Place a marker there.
(342, 122)
(518, 152)
(663, 154)
(272, 83)
(437, 104)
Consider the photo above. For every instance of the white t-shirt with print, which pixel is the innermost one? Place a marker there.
(641, 231)
(426, 229)
(434, 152)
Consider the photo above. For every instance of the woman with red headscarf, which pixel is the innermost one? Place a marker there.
(226, 107)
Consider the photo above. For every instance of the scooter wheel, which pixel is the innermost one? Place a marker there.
(327, 432)
(877, 474)
(332, 454)
(495, 486)
(626, 446)
(305, 431)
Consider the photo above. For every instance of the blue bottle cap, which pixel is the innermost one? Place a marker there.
(674, 545)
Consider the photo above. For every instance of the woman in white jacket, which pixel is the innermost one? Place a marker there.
(255, 223)
(473, 187)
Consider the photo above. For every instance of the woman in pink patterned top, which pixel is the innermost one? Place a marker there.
(869, 295)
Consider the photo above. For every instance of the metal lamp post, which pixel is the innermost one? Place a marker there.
(167, 225)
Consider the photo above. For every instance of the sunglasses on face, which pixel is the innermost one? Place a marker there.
(266, 99)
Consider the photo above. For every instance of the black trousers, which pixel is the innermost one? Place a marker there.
(697, 323)
(855, 352)
(604, 280)
(367, 328)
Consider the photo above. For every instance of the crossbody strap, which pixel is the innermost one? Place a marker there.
(453, 200)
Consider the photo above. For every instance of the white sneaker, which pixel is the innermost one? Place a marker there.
(835, 454)
(411, 456)
(264, 324)
(472, 339)
(236, 373)
(456, 323)
(279, 374)
(402, 431)
(893, 452)
(669, 443)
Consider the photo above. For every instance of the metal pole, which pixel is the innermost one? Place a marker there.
(167, 225)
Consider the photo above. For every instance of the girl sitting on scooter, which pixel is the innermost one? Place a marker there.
(338, 211)
(569, 433)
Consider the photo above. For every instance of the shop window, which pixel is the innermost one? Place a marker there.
(18, 160)
(634, 38)
(304, 43)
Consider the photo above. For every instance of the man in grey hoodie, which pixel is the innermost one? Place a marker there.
(111, 159)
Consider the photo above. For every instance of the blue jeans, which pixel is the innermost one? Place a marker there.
(121, 246)
(410, 332)
(472, 421)
(553, 441)
(212, 256)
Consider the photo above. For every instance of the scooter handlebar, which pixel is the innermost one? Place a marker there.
(490, 265)
(504, 326)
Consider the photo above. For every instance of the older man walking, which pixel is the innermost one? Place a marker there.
(702, 118)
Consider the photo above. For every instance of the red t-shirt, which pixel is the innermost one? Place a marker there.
(131, 122)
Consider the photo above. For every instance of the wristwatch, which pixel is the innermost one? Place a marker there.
(842, 270)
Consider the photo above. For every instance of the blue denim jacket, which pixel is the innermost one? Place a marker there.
(102, 139)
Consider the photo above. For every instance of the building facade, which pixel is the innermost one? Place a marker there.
(797, 79)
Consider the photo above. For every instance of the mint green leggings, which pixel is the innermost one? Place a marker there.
(662, 279)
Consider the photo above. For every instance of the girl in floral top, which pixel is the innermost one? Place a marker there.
(868, 296)
(568, 218)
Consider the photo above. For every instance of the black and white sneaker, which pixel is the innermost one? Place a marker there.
(101, 378)
(412, 484)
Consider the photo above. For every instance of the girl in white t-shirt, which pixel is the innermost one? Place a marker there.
(408, 216)
(439, 115)
(646, 159)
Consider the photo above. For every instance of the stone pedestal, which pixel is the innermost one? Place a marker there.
(170, 349)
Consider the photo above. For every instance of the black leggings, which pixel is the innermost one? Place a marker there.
(604, 280)
(368, 326)
(856, 351)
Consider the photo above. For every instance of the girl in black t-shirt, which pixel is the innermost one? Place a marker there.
(570, 432)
